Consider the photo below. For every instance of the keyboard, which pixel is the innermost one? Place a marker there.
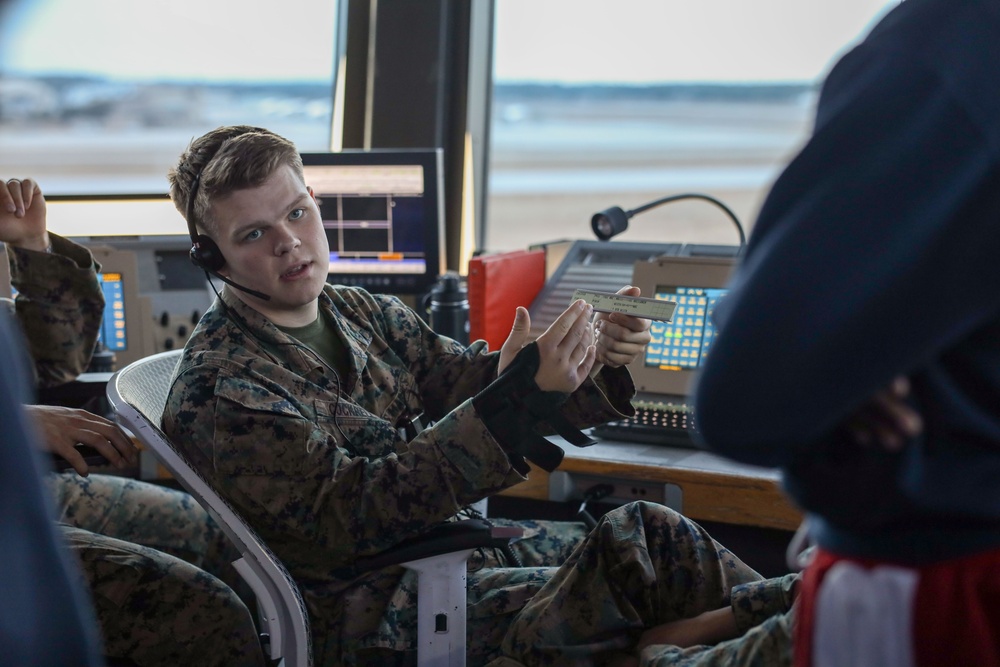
(666, 423)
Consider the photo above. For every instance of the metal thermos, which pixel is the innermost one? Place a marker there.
(449, 311)
(102, 361)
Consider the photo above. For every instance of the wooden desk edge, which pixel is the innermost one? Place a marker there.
(706, 494)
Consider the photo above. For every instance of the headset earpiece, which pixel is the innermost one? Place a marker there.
(206, 254)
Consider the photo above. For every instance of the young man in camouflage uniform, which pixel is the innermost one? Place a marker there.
(290, 396)
(153, 608)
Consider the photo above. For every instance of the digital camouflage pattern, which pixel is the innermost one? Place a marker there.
(496, 591)
(644, 565)
(318, 466)
(152, 608)
(326, 478)
(154, 516)
(59, 305)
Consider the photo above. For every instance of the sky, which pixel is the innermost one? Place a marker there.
(641, 41)
(219, 40)
(635, 41)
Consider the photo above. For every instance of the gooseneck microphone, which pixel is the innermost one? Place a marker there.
(613, 221)
(205, 253)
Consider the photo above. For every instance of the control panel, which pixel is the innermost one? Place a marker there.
(172, 292)
(165, 294)
(179, 297)
(172, 330)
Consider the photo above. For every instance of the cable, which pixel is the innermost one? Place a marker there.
(694, 195)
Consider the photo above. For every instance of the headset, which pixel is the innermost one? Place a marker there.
(205, 253)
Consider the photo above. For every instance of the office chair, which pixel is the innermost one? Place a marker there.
(138, 393)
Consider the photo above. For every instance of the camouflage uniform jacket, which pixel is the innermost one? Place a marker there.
(316, 462)
(59, 305)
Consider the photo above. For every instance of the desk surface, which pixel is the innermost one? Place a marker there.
(712, 488)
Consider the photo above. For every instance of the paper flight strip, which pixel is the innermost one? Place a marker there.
(637, 306)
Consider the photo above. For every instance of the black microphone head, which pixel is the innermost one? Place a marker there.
(609, 222)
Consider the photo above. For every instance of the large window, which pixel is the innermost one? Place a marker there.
(102, 96)
(595, 102)
(599, 103)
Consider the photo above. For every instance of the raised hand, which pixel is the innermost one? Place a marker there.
(517, 338)
(22, 215)
(64, 428)
(566, 349)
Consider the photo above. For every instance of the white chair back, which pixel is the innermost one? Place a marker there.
(137, 394)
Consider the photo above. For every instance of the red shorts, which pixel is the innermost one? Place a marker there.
(861, 612)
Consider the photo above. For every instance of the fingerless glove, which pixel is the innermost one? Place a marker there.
(513, 406)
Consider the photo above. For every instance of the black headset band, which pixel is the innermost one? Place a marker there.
(192, 198)
(205, 253)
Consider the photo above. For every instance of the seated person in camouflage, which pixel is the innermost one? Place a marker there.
(290, 402)
(291, 399)
(153, 608)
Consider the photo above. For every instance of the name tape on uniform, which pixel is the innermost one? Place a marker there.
(637, 306)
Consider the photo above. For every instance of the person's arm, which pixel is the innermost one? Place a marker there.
(750, 605)
(755, 629)
(707, 628)
(59, 302)
(870, 256)
(62, 429)
(342, 478)
(769, 643)
(607, 392)
(448, 373)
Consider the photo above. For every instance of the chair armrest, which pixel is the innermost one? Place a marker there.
(442, 539)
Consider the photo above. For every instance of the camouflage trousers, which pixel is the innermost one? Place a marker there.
(497, 589)
(141, 549)
(147, 514)
(643, 565)
(578, 598)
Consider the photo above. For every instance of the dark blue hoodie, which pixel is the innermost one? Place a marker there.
(877, 254)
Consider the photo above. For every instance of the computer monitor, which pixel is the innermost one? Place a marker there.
(113, 217)
(114, 330)
(678, 348)
(127, 321)
(383, 211)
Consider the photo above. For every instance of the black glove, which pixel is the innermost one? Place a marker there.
(513, 405)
